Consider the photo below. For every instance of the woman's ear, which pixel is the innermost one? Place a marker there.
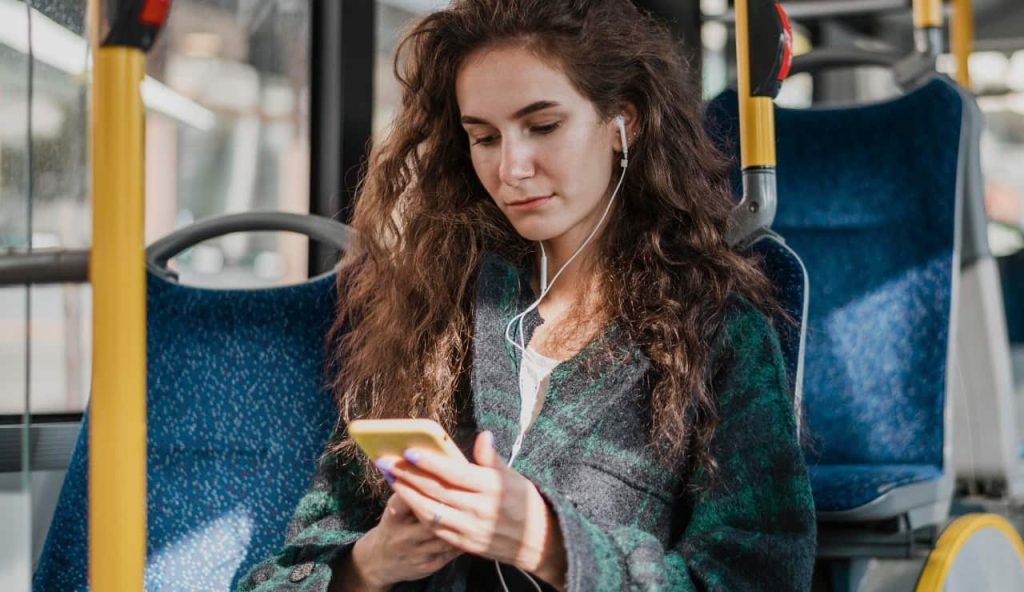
(629, 113)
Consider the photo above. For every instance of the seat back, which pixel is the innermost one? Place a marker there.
(237, 414)
(869, 199)
(786, 271)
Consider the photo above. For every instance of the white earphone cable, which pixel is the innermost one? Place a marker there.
(501, 576)
(521, 346)
(545, 287)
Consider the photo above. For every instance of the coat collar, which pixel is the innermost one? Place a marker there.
(577, 399)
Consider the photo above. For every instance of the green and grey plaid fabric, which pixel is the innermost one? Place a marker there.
(628, 523)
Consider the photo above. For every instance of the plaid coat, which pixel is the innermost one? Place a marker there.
(627, 523)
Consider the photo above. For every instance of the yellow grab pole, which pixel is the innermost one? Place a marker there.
(927, 14)
(117, 415)
(757, 117)
(961, 39)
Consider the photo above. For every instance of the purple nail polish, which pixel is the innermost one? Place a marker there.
(412, 455)
(389, 478)
(384, 465)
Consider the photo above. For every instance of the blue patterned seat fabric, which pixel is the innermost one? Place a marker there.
(786, 272)
(850, 486)
(237, 417)
(867, 198)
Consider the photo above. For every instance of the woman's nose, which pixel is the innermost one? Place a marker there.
(516, 162)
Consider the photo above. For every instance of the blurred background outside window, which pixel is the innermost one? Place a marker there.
(227, 130)
(393, 18)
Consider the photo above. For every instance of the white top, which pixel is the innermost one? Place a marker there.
(534, 375)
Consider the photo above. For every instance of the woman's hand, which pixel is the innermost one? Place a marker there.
(485, 509)
(400, 548)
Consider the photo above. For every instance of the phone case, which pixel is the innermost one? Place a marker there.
(390, 437)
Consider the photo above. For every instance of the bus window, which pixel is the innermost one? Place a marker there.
(392, 17)
(54, 170)
(227, 130)
(236, 138)
(998, 79)
(44, 202)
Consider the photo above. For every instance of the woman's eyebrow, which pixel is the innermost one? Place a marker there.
(531, 108)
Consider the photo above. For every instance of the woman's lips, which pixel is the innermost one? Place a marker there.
(531, 203)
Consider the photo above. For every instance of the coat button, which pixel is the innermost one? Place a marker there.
(301, 571)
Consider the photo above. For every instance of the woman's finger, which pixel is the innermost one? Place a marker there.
(397, 509)
(429, 485)
(484, 452)
(430, 512)
(455, 471)
(397, 504)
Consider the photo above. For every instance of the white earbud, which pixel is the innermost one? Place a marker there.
(621, 121)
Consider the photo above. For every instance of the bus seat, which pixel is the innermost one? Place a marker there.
(237, 414)
(786, 271)
(869, 198)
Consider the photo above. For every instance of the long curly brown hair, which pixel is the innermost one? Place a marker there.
(402, 338)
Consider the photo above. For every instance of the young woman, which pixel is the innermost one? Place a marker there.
(553, 152)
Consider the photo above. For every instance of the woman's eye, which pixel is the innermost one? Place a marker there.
(545, 129)
(538, 129)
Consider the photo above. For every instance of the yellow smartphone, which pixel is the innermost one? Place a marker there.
(390, 437)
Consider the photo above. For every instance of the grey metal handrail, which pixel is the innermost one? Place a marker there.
(826, 58)
(909, 71)
(51, 266)
(323, 229)
(44, 266)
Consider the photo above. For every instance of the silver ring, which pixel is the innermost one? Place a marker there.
(435, 520)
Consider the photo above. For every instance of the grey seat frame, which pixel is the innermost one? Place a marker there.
(985, 427)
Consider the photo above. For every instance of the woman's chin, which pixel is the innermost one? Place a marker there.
(535, 233)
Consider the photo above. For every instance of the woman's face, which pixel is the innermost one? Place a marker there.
(537, 145)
